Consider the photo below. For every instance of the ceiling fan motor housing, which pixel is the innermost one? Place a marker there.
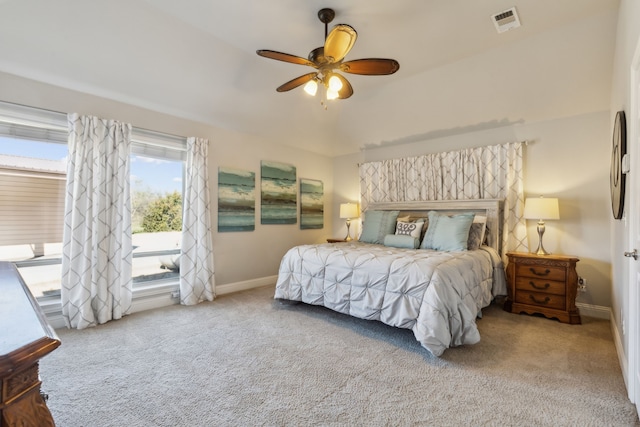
(317, 55)
(326, 15)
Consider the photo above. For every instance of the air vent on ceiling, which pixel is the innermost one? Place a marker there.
(506, 20)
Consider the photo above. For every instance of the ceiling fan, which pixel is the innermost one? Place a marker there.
(328, 60)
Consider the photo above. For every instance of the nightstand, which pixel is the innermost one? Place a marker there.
(544, 284)
(335, 240)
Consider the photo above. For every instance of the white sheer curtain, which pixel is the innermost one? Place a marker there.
(491, 172)
(197, 280)
(97, 252)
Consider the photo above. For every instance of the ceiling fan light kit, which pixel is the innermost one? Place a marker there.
(328, 59)
(311, 87)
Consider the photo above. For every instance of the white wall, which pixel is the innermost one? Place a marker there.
(555, 73)
(239, 256)
(628, 36)
(347, 189)
(566, 158)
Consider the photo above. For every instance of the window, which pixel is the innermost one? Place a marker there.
(33, 154)
(157, 170)
(32, 188)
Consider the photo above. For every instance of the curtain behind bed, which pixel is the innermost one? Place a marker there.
(492, 172)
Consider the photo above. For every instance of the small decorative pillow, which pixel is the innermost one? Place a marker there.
(476, 232)
(413, 229)
(378, 224)
(447, 233)
(401, 241)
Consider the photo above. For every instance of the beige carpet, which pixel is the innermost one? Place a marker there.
(247, 360)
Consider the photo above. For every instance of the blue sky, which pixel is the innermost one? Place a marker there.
(164, 176)
(161, 176)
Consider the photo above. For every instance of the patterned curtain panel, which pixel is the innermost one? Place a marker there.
(197, 281)
(97, 252)
(492, 172)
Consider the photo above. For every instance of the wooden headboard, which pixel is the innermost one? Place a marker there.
(492, 208)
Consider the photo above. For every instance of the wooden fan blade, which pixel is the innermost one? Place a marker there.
(285, 57)
(371, 66)
(298, 81)
(346, 91)
(339, 42)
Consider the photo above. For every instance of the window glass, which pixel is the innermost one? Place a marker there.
(156, 217)
(32, 188)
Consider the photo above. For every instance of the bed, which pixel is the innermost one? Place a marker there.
(436, 293)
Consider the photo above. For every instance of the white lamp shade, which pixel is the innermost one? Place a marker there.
(349, 210)
(311, 87)
(335, 83)
(541, 208)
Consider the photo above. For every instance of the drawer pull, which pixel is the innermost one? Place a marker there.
(540, 288)
(546, 300)
(533, 270)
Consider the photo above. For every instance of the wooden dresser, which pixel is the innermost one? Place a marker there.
(25, 337)
(543, 284)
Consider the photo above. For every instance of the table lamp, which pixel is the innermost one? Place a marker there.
(540, 208)
(349, 211)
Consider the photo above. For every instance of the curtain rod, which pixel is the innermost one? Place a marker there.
(525, 142)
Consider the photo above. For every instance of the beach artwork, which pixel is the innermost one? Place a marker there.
(279, 193)
(236, 200)
(311, 204)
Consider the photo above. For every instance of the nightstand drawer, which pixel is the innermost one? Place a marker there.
(541, 300)
(541, 272)
(540, 285)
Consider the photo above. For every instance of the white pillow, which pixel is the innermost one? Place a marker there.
(410, 228)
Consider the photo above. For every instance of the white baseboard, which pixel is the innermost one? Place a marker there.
(147, 298)
(597, 311)
(248, 284)
(622, 357)
(56, 321)
(53, 312)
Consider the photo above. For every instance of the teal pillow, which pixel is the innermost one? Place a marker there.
(378, 224)
(401, 241)
(447, 233)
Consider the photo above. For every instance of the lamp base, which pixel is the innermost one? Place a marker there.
(348, 238)
(541, 250)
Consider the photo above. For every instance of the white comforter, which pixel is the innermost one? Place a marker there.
(436, 294)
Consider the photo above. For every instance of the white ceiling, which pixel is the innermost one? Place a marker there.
(196, 59)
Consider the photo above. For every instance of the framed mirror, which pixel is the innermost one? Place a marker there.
(616, 176)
